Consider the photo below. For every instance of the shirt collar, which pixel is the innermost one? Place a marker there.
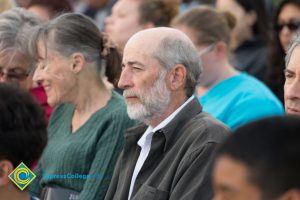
(150, 130)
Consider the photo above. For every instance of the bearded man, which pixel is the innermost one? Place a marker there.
(169, 156)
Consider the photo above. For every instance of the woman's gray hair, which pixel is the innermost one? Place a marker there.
(70, 33)
(15, 27)
(294, 44)
(172, 51)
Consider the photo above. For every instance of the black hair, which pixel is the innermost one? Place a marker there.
(23, 134)
(275, 76)
(270, 150)
(261, 26)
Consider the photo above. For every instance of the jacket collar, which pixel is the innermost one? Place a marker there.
(172, 129)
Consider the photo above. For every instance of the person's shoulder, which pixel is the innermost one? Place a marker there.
(252, 87)
(206, 128)
(249, 85)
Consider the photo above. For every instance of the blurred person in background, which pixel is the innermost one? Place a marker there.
(47, 9)
(6, 5)
(98, 10)
(23, 136)
(226, 93)
(250, 36)
(186, 5)
(260, 161)
(131, 16)
(286, 25)
(16, 25)
(86, 129)
(292, 78)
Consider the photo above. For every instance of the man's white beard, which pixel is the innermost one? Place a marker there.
(154, 101)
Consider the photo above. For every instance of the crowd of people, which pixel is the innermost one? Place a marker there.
(150, 99)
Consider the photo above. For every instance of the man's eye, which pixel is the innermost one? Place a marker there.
(137, 69)
(288, 75)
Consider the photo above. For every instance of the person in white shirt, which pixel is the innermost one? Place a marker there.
(169, 155)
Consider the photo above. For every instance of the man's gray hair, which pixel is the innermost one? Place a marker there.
(294, 44)
(15, 27)
(172, 51)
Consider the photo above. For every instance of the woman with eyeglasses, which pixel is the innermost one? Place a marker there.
(15, 62)
(233, 97)
(286, 25)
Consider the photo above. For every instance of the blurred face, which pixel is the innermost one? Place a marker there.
(123, 22)
(230, 181)
(288, 24)
(292, 84)
(143, 81)
(41, 11)
(243, 28)
(206, 55)
(14, 69)
(53, 72)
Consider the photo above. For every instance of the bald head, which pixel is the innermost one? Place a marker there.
(169, 47)
(152, 38)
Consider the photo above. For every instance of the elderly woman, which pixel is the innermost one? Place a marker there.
(15, 62)
(86, 128)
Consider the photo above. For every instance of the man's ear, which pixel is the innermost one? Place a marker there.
(177, 77)
(78, 61)
(292, 194)
(6, 167)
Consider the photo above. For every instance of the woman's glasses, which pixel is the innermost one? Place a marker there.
(207, 49)
(292, 26)
(14, 74)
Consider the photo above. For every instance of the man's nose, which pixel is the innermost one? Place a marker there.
(125, 79)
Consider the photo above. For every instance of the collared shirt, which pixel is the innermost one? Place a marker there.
(179, 162)
(145, 143)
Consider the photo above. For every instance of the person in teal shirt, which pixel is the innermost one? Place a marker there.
(240, 99)
(233, 97)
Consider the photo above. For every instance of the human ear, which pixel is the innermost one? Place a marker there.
(78, 61)
(6, 167)
(177, 77)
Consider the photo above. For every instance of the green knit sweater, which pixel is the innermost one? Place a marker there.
(82, 161)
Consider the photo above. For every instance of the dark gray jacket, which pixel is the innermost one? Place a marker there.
(179, 163)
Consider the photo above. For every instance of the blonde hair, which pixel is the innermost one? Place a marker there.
(209, 24)
(6, 5)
